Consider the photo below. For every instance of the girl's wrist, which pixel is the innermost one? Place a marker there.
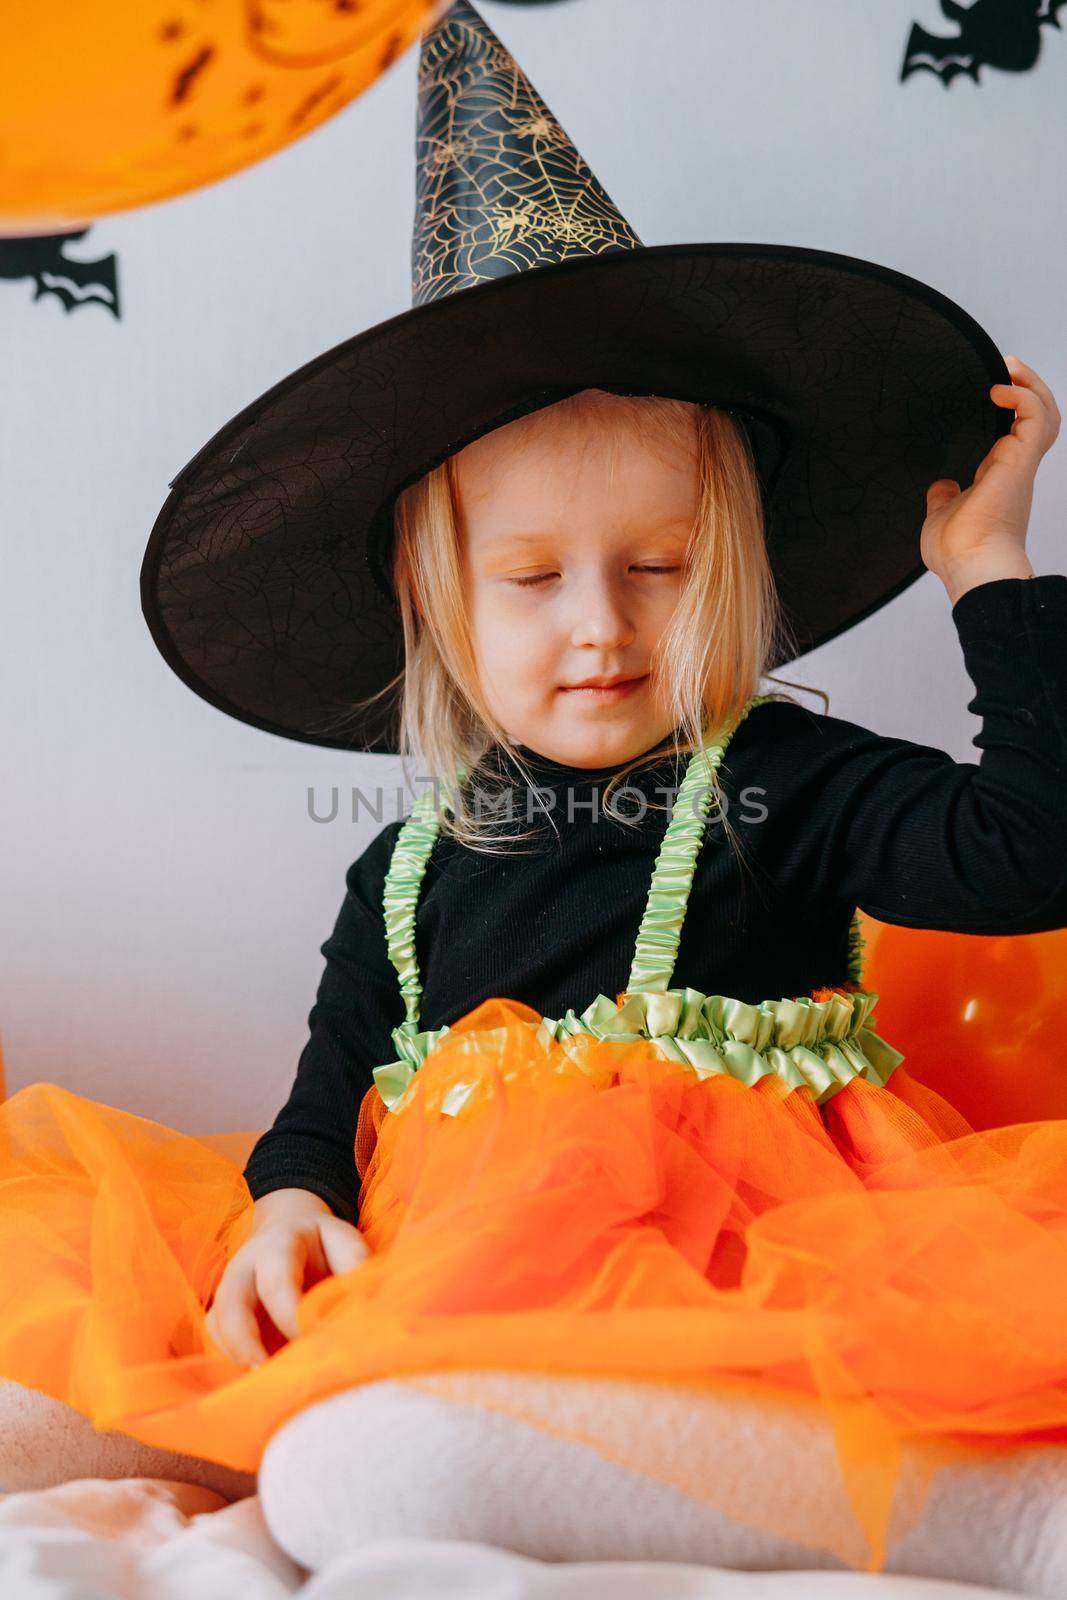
(287, 1202)
(985, 566)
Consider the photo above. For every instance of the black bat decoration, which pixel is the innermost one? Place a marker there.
(1005, 34)
(74, 283)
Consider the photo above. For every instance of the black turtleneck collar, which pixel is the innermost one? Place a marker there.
(546, 770)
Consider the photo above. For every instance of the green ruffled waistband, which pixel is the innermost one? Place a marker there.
(821, 1043)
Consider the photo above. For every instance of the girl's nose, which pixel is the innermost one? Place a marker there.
(601, 617)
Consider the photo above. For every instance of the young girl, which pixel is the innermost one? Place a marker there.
(593, 1086)
(551, 1193)
(564, 1194)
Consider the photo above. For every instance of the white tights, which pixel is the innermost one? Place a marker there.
(390, 1460)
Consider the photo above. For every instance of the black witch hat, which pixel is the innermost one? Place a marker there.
(267, 578)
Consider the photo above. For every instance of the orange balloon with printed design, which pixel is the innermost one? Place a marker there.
(116, 105)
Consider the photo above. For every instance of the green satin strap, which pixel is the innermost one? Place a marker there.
(400, 897)
(856, 945)
(658, 937)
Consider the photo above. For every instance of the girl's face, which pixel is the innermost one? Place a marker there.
(573, 575)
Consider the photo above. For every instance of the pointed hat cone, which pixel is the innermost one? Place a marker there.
(500, 186)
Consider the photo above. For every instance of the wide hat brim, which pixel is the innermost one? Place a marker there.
(266, 581)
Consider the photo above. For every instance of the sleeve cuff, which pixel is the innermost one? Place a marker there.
(341, 1205)
(1006, 607)
(304, 1163)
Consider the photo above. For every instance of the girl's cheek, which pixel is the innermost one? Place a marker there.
(512, 644)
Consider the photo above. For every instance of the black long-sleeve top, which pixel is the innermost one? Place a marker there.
(827, 816)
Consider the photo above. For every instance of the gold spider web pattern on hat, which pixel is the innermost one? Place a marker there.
(500, 187)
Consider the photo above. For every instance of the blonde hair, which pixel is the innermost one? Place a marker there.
(707, 665)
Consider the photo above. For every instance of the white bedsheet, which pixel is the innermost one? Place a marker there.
(158, 1539)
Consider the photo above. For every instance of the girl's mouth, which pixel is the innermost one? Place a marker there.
(617, 691)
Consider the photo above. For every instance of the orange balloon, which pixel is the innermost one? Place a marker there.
(115, 105)
(978, 1017)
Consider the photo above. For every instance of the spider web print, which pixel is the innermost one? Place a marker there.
(500, 186)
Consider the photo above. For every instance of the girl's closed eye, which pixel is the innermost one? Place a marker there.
(543, 577)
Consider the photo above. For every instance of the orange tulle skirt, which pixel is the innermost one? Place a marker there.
(594, 1209)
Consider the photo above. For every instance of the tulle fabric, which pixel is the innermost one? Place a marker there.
(591, 1208)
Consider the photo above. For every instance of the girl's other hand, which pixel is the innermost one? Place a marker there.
(975, 535)
(296, 1240)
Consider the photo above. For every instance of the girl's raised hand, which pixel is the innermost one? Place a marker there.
(974, 535)
(296, 1240)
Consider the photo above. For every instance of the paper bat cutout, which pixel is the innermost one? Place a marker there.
(1005, 34)
(74, 283)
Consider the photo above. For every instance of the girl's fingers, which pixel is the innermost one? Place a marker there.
(344, 1245)
(940, 493)
(1026, 377)
(232, 1324)
(316, 1256)
(1033, 426)
(1020, 397)
(279, 1283)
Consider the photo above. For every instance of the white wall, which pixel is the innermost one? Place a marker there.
(164, 894)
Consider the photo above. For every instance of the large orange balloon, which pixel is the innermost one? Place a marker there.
(979, 1018)
(119, 103)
